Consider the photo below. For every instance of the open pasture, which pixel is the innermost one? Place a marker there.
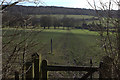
(70, 47)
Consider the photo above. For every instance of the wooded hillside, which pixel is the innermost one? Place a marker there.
(33, 10)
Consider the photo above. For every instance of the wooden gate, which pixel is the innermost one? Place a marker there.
(38, 70)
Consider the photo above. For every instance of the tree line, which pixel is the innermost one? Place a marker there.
(51, 21)
(48, 21)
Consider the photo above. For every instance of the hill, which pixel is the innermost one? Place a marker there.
(33, 10)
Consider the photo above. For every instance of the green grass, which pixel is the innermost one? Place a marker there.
(66, 43)
(70, 16)
(70, 47)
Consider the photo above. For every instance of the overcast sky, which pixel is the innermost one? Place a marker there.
(69, 3)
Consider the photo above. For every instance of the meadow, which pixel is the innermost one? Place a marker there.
(75, 41)
(75, 44)
(70, 47)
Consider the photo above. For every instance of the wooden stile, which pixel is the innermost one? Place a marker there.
(37, 70)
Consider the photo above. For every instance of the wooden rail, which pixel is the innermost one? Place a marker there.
(71, 68)
(46, 68)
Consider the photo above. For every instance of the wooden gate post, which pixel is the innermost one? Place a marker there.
(40, 71)
(91, 64)
(29, 75)
(35, 60)
(36, 69)
(51, 47)
(100, 70)
(16, 75)
(44, 70)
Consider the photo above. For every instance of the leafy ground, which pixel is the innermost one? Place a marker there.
(70, 47)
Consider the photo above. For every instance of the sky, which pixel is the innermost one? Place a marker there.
(68, 3)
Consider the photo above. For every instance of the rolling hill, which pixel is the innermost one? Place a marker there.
(33, 10)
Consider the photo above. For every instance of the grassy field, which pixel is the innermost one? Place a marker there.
(69, 16)
(70, 47)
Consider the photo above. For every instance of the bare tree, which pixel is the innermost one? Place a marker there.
(109, 36)
(17, 44)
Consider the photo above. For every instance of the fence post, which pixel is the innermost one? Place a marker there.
(16, 75)
(51, 47)
(91, 64)
(100, 70)
(40, 74)
(36, 69)
(35, 66)
(44, 70)
(29, 71)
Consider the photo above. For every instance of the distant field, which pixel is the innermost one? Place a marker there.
(87, 17)
(70, 47)
(70, 16)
